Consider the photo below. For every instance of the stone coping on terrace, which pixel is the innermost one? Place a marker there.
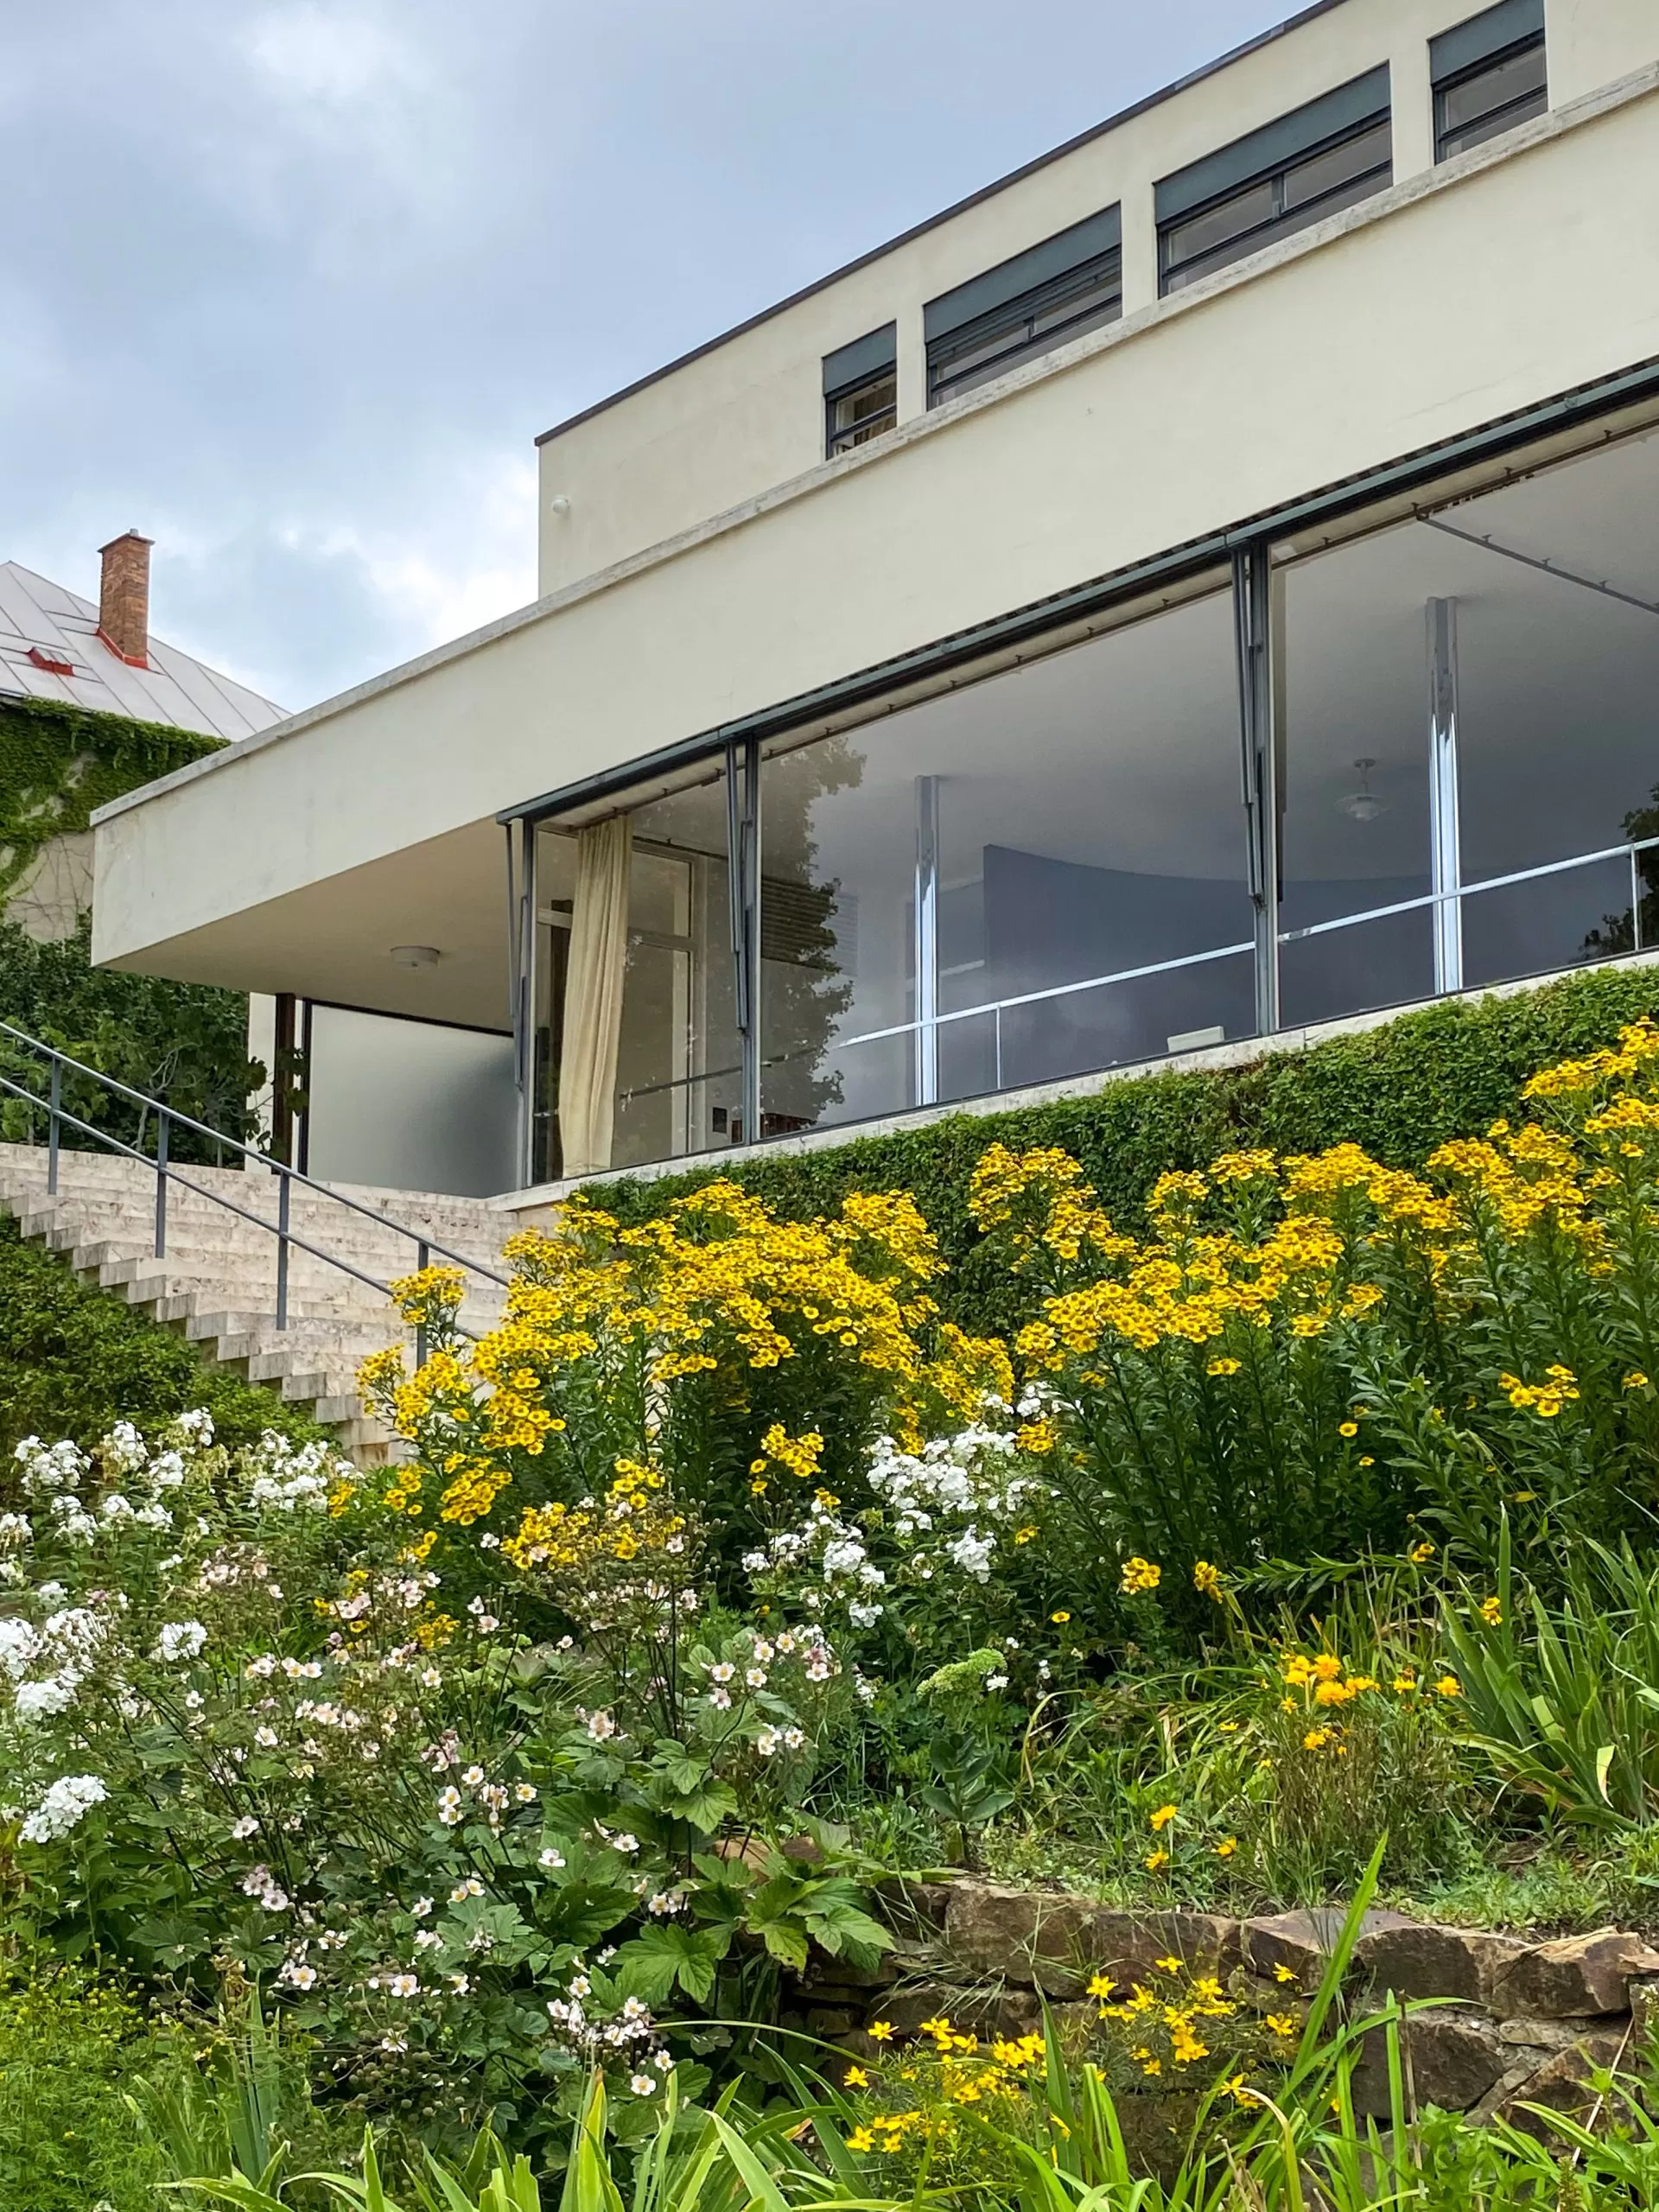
(1509, 2019)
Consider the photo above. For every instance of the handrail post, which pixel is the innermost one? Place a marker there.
(161, 1183)
(53, 1129)
(281, 1249)
(423, 1258)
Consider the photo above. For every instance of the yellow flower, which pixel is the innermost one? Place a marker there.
(880, 2030)
(1316, 1739)
(1449, 1686)
(1162, 1817)
(860, 2139)
(1155, 1860)
(1227, 1846)
(1326, 1668)
(1140, 1574)
(1420, 1554)
(1284, 1973)
(1168, 1966)
(1206, 1578)
(855, 2078)
(1100, 1985)
(1405, 1681)
(1491, 1612)
(1281, 2024)
(1059, 1619)
(1635, 1380)
(1023, 1536)
(1348, 1428)
(1366, 1460)
(1224, 1367)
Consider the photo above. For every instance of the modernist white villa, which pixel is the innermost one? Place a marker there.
(1203, 587)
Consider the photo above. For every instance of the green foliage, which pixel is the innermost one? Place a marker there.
(68, 2141)
(1399, 1090)
(1562, 1696)
(73, 1361)
(60, 763)
(185, 1044)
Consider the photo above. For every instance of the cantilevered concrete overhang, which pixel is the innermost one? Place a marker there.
(1474, 295)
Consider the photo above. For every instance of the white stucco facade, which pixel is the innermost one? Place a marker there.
(706, 563)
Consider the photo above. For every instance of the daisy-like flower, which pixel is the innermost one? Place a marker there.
(472, 1776)
(756, 1678)
(525, 1792)
(404, 1985)
(471, 1887)
(627, 1845)
(642, 2085)
(244, 1827)
(722, 1671)
(600, 1727)
(421, 1908)
(265, 1738)
(549, 1857)
(450, 1806)
(460, 1983)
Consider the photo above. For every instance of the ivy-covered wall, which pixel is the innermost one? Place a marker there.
(58, 763)
(1399, 1090)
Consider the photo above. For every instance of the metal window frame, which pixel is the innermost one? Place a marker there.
(1520, 110)
(854, 368)
(1285, 221)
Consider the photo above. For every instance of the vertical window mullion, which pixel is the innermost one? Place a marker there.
(1261, 739)
(743, 876)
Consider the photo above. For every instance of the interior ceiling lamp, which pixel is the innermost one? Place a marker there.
(416, 956)
(1363, 805)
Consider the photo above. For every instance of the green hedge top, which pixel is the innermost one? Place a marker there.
(1399, 1090)
(60, 763)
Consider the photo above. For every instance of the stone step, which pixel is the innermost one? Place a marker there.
(217, 1282)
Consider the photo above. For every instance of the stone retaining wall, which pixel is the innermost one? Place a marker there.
(1525, 2020)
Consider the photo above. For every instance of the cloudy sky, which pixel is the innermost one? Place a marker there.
(291, 287)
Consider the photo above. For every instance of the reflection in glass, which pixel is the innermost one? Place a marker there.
(943, 892)
(635, 1054)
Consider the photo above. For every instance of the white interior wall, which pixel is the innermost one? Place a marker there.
(409, 1105)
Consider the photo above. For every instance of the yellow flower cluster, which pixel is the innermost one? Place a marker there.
(1140, 1575)
(1545, 1399)
(796, 1455)
(949, 2081)
(635, 1518)
(1176, 2015)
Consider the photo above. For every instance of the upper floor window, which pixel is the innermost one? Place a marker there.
(1025, 307)
(1280, 180)
(860, 390)
(1489, 75)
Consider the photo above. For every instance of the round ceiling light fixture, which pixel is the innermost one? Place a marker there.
(1363, 805)
(417, 956)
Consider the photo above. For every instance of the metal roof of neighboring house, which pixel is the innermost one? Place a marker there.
(59, 626)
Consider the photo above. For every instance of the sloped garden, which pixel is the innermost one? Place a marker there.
(773, 1741)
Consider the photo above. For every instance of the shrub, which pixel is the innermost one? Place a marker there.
(69, 2046)
(74, 1360)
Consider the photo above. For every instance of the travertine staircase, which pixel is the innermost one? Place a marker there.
(217, 1282)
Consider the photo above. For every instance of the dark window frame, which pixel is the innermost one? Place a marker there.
(1271, 160)
(1024, 307)
(1452, 139)
(867, 366)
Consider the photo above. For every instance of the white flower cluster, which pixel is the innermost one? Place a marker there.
(287, 1478)
(831, 1555)
(63, 1808)
(953, 1496)
(631, 2034)
(179, 1640)
(63, 1647)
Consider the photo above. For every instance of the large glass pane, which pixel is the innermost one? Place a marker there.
(672, 1077)
(1355, 776)
(964, 897)
(1557, 585)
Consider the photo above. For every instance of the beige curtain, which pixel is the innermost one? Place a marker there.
(593, 995)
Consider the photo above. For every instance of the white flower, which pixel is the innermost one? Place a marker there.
(627, 1845)
(722, 1671)
(404, 1985)
(428, 1939)
(550, 1858)
(394, 2043)
(601, 1726)
(793, 1738)
(116, 1507)
(266, 1738)
(18, 1644)
(664, 1903)
(471, 1887)
(472, 1776)
(430, 1677)
(460, 1983)
(525, 1793)
(421, 1908)
(257, 1669)
(756, 1678)
(450, 1806)
(720, 1700)
(244, 1827)
(642, 2085)
(56, 1694)
(766, 1742)
(996, 1681)
(298, 1976)
(62, 1808)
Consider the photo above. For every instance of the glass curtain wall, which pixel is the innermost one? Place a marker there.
(1038, 876)
(1045, 872)
(1469, 719)
(635, 1053)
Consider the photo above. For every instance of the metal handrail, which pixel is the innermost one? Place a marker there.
(58, 1118)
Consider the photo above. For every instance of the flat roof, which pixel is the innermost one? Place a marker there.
(948, 214)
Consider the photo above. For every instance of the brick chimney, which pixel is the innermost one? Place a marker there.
(123, 598)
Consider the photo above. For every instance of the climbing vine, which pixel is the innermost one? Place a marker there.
(58, 763)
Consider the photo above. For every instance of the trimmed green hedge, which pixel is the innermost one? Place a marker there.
(1399, 1090)
(73, 1361)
